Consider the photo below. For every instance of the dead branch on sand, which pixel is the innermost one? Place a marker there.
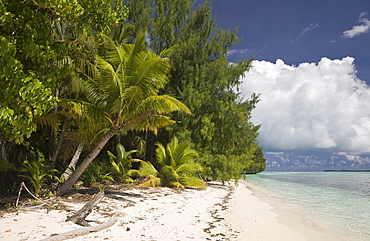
(82, 231)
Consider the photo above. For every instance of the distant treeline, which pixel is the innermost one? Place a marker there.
(346, 170)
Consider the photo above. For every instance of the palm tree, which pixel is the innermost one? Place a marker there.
(177, 167)
(71, 112)
(121, 163)
(126, 88)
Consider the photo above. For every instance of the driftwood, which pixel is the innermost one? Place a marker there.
(82, 231)
(19, 194)
(80, 215)
(79, 218)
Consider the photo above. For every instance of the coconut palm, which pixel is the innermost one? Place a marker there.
(177, 167)
(126, 88)
(72, 112)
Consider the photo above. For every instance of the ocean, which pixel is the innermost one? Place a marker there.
(341, 199)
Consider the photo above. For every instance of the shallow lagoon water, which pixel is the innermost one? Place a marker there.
(339, 198)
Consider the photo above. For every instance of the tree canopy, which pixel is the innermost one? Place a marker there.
(202, 77)
(79, 77)
(30, 67)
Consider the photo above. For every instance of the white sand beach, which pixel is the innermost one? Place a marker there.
(217, 213)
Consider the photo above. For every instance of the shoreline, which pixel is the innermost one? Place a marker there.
(243, 212)
(309, 227)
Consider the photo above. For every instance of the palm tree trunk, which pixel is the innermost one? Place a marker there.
(4, 154)
(68, 172)
(51, 144)
(85, 163)
(61, 138)
(52, 132)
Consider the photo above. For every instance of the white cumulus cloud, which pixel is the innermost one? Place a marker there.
(358, 29)
(310, 106)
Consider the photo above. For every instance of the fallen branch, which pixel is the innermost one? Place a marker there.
(80, 215)
(23, 185)
(82, 231)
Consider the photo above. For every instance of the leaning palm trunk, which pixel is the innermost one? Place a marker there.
(68, 172)
(126, 91)
(85, 163)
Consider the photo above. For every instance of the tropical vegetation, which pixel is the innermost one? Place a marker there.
(176, 167)
(120, 91)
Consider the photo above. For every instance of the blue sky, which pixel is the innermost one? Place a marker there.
(311, 69)
(298, 31)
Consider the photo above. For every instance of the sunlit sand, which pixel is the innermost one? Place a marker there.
(217, 213)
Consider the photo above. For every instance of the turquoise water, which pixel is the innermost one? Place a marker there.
(339, 198)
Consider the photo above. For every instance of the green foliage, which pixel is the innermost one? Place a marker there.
(44, 44)
(96, 172)
(102, 189)
(127, 84)
(176, 165)
(258, 162)
(175, 154)
(38, 173)
(25, 99)
(59, 180)
(126, 87)
(7, 178)
(121, 163)
(203, 79)
(64, 81)
(33, 61)
(5, 166)
(139, 144)
(223, 168)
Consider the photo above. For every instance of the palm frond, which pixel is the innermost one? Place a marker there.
(140, 145)
(88, 87)
(159, 121)
(121, 31)
(169, 173)
(148, 122)
(193, 182)
(48, 120)
(171, 160)
(167, 52)
(151, 69)
(182, 153)
(162, 104)
(152, 182)
(85, 66)
(150, 73)
(114, 52)
(124, 88)
(131, 96)
(147, 169)
(83, 112)
(104, 66)
(161, 155)
(110, 80)
(68, 147)
(133, 173)
(189, 168)
(140, 44)
(176, 185)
